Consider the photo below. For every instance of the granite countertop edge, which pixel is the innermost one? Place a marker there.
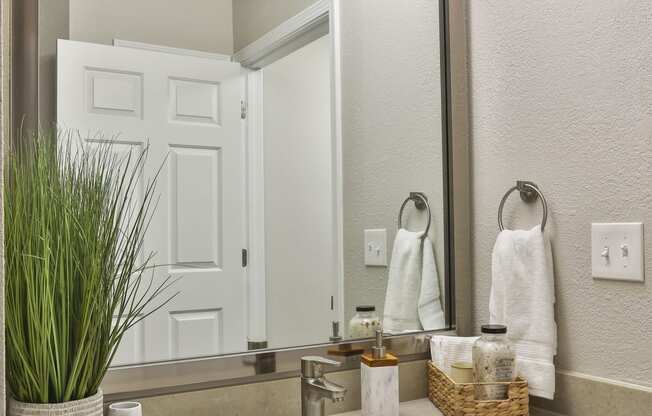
(420, 407)
(423, 407)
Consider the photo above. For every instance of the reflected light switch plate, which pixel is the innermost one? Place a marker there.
(617, 251)
(375, 247)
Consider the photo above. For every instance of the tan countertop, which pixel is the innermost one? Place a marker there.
(421, 407)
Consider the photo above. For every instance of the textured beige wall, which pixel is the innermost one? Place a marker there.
(53, 24)
(254, 18)
(561, 94)
(205, 25)
(391, 131)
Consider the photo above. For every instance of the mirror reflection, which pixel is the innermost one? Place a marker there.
(301, 191)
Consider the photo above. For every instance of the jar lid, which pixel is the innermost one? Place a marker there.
(494, 329)
(365, 308)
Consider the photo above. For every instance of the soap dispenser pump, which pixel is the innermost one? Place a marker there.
(379, 378)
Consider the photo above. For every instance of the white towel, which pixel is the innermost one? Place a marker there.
(431, 314)
(523, 298)
(446, 350)
(412, 300)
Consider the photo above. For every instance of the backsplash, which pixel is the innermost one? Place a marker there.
(279, 397)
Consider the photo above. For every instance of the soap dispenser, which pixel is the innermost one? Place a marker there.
(379, 379)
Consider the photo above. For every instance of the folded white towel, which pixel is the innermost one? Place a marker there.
(523, 297)
(446, 350)
(538, 371)
(412, 300)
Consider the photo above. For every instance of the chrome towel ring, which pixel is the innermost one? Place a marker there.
(529, 193)
(420, 202)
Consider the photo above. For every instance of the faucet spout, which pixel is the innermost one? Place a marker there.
(326, 389)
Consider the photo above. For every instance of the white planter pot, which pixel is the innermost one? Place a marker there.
(91, 406)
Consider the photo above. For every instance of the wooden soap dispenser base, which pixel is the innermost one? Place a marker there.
(379, 379)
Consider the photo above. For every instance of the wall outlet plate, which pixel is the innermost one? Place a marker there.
(617, 251)
(375, 247)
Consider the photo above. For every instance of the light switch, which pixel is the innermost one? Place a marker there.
(617, 251)
(375, 247)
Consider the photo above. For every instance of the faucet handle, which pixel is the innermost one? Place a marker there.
(312, 366)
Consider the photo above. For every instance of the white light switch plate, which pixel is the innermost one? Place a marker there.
(375, 247)
(617, 251)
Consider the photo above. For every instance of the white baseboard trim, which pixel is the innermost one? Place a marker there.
(618, 383)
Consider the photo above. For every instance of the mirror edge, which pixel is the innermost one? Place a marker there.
(453, 37)
(5, 132)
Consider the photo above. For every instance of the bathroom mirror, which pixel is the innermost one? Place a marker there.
(294, 138)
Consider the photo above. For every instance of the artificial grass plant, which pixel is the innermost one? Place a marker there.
(74, 228)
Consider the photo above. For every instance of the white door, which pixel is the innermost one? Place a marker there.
(188, 110)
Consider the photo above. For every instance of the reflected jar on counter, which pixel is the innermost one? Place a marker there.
(364, 323)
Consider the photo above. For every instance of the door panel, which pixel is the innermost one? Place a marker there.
(187, 110)
(195, 214)
(194, 101)
(205, 327)
(112, 92)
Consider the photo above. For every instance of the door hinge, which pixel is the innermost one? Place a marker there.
(332, 303)
(244, 257)
(243, 109)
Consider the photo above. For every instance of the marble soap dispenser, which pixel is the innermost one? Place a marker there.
(379, 379)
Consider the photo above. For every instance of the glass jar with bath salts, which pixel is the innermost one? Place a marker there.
(364, 323)
(494, 360)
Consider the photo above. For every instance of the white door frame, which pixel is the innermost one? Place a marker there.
(302, 28)
(122, 43)
(313, 22)
(336, 131)
(255, 203)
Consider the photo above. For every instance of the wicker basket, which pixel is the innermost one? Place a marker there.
(455, 399)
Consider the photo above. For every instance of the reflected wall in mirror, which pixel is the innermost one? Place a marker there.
(391, 141)
(291, 134)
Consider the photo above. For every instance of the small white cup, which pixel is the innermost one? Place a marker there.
(125, 409)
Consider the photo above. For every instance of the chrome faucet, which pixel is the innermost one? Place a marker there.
(315, 388)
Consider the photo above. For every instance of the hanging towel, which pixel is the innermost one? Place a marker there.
(447, 350)
(431, 314)
(523, 298)
(412, 300)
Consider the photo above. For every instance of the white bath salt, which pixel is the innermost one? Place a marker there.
(493, 361)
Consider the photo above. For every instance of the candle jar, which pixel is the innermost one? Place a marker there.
(494, 360)
(364, 323)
